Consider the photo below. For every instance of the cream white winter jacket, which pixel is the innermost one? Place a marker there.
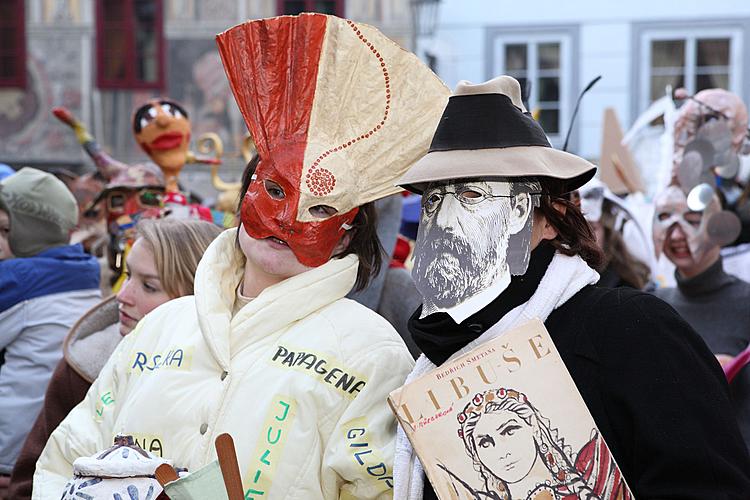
(299, 377)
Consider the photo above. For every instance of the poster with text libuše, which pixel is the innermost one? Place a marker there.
(506, 421)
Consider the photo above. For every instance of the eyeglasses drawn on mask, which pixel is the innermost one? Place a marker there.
(147, 198)
(276, 192)
(466, 195)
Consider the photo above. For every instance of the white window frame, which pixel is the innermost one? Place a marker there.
(531, 40)
(691, 36)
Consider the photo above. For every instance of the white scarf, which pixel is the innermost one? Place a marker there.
(565, 277)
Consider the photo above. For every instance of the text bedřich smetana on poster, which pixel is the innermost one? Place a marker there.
(506, 421)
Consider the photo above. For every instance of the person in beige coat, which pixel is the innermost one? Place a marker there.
(269, 349)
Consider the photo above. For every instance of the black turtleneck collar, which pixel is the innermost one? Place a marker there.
(438, 336)
(708, 281)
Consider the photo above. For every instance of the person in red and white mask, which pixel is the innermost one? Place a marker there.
(269, 349)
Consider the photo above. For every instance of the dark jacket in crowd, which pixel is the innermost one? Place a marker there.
(655, 391)
(717, 306)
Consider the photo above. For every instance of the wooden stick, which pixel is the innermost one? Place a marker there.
(165, 473)
(230, 469)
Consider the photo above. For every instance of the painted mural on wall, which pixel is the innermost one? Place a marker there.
(27, 129)
(197, 79)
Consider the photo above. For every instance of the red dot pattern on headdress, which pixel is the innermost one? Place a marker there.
(320, 181)
(480, 399)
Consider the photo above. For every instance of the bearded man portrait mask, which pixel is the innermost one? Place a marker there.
(473, 235)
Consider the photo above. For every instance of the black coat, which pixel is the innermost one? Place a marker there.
(656, 393)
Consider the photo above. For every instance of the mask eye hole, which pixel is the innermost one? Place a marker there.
(470, 195)
(693, 218)
(432, 202)
(663, 216)
(116, 201)
(322, 211)
(274, 190)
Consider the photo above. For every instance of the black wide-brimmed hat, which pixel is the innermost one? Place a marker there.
(485, 131)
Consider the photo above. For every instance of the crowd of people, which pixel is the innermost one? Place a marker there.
(126, 307)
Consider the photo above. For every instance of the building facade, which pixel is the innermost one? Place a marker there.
(638, 47)
(103, 58)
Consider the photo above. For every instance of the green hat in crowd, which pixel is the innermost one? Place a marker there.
(41, 209)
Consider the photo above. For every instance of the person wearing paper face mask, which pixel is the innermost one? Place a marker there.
(712, 301)
(472, 221)
(269, 349)
(494, 190)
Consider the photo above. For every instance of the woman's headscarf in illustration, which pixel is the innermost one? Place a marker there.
(525, 437)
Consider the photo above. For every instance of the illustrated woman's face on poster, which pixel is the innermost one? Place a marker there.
(464, 243)
(505, 445)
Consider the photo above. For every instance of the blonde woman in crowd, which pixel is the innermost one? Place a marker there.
(160, 267)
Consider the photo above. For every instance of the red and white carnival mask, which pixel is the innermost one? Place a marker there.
(338, 112)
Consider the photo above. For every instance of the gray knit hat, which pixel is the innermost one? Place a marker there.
(42, 211)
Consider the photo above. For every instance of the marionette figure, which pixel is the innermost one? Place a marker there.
(131, 192)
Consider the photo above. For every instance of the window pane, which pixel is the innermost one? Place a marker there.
(115, 54)
(146, 59)
(659, 83)
(668, 53)
(549, 119)
(524, 83)
(146, 43)
(8, 39)
(115, 42)
(6, 10)
(515, 58)
(549, 55)
(713, 52)
(114, 66)
(145, 13)
(549, 89)
(720, 80)
(325, 6)
(292, 7)
(7, 67)
(114, 11)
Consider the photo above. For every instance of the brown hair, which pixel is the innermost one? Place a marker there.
(366, 245)
(616, 255)
(364, 241)
(177, 245)
(574, 234)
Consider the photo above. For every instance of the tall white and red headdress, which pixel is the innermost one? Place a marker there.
(338, 113)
